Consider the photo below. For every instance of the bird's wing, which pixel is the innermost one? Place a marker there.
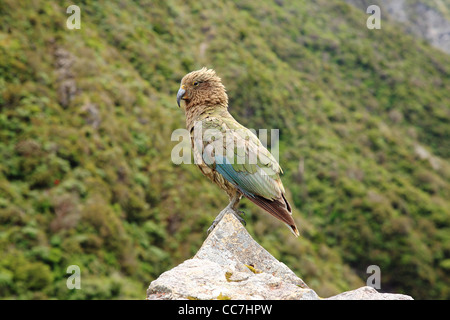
(238, 155)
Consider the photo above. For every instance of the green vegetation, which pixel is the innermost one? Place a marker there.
(86, 117)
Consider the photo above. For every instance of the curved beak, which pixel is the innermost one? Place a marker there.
(180, 95)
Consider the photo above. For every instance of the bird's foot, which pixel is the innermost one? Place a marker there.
(211, 228)
(237, 214)
(216, 220)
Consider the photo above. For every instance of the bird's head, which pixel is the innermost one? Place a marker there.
(202, 88)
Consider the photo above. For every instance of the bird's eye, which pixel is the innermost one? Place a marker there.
(196, 83)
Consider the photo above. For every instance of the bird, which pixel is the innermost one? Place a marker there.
(228, 153)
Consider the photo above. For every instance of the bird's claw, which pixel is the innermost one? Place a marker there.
(211, 228)
(236, 213)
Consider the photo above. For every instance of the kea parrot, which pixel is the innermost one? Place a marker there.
(229, 154)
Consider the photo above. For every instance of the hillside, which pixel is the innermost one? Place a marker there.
(86, 118)
(427, 19)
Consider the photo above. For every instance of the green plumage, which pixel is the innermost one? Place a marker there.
(256, 172)
(228, 153)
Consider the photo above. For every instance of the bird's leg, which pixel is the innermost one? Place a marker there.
(234, 202)
(232, 206)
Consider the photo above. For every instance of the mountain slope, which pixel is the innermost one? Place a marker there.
(427, 19)
(86, 117)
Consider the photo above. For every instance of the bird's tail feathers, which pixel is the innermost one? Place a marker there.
(279, 208)
(293, 229)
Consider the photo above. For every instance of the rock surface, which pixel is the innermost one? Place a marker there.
(231, 265)
(417, 17)
(368, 293)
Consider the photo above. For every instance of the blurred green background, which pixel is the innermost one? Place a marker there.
(86, 117)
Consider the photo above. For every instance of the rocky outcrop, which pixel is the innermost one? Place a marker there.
(368, 293)
(231, 265)
(417, 18)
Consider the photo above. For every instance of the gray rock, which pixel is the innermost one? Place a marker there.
(205, 280)
(368, 293)
(230, 245)
(416, 17)
(231, 265)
